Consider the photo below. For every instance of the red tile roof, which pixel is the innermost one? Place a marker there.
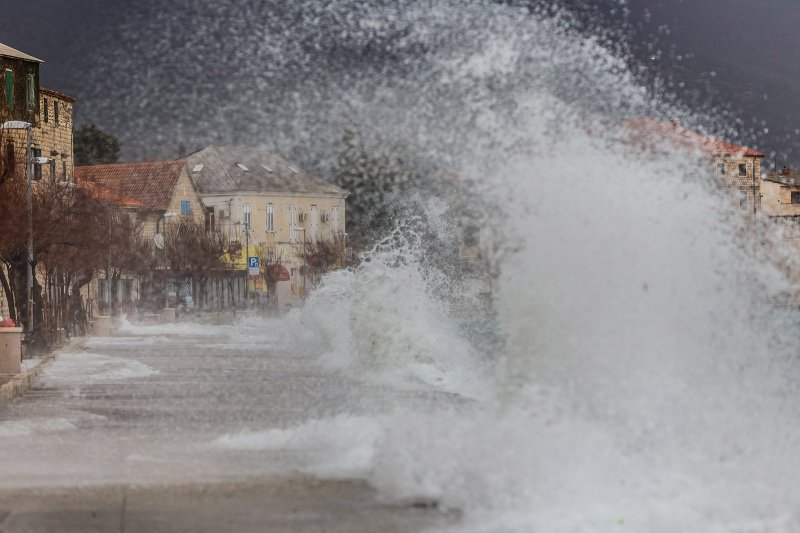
(660, 133)
(152, 184)
(107, 196)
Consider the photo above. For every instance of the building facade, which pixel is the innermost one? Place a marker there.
(157, 193)
(52, 138)
(49, 114)
(736, 169)
(266, 202)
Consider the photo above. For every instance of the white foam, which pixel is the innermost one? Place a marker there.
(28, 427)
(84, 368)
(337, 447)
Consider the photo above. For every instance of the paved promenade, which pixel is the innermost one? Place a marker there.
(194, 428)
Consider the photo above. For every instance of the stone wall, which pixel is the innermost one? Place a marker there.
(744, 190)
(53, 137)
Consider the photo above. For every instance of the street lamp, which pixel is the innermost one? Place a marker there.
(246, 261)
(21, 125)
(305, 267)
(158, 239)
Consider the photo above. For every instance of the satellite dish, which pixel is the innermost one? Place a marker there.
(159, 240)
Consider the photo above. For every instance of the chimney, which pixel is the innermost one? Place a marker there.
(785, 171)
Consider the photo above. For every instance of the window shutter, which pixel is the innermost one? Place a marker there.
(31, 92)
(9, 88)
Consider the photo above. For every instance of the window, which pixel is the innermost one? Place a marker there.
(314, 220)
(37, 168)
(31, 92)
(292, 215)
(743, 199)
(721, 169)
(335, 211)
(11, 159)
(270, 217)
(55, 113)
(102, 288)
(9, 87)
(64, 169)
(742, 169)
(796, 197)
(45, 111)
(246, 216)
(52, 165)
(210, 222)
(186, 207)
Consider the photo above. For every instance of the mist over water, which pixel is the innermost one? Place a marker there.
(641, 380)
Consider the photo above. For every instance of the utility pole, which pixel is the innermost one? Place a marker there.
(247, 266)
(29, 177)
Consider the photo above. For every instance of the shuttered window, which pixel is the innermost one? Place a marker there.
(9, 87)
(31, 92)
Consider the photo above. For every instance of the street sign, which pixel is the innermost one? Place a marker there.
(253, 265)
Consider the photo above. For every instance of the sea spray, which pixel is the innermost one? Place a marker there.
(640, 383)
(352, 320)
(643, 381)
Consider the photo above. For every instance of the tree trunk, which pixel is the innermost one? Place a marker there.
(76, 313)
(10, 298)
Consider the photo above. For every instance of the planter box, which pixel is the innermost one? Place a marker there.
(10, 350)
(102, 326)
(168, 314)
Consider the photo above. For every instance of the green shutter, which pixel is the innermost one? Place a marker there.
(9, 87)
(31, 92)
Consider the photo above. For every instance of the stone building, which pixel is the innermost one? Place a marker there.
(165, 189)
(781, 205)
(260, 198)
(49, 114)
(737, 168)
(159, 193)
(52, 138)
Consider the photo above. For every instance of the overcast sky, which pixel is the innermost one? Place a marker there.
(739, 54)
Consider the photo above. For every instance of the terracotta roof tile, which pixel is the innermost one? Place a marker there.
(152, 184)
(107, 196)
(671, 135)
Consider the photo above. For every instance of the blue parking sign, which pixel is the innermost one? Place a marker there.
(254, 262)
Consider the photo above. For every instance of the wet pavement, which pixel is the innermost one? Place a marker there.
(194, 428)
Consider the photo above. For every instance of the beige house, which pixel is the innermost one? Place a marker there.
(737, 168)
(163, 188)
(260, 198)
(155, 191)
(780, 192)
(781, 204)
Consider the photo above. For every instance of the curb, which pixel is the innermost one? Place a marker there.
(19, 383)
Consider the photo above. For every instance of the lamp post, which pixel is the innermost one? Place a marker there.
(305, 267)
(21, 125)
(246, 261)
(158, 239)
